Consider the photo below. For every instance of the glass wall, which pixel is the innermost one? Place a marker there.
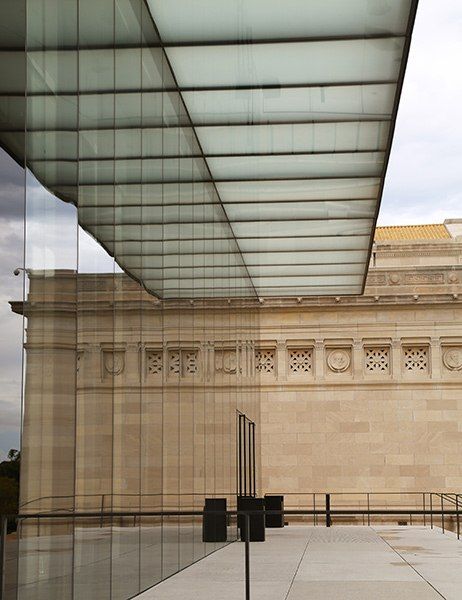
(140, 316)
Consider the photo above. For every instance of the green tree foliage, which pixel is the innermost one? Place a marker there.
(9, 483)
(9, 496)
(10, 468)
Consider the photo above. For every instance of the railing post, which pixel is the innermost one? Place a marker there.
(247, 556)
(442, 513)
(101, 519)
(328, 518)
(431, 510)
(457, 516)
(3, 532)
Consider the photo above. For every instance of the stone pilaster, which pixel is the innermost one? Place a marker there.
(318, 359)
(435, 358)
(281, 360)
(395, 359)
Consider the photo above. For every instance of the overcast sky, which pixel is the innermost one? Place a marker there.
(424, 179)
(423, 184)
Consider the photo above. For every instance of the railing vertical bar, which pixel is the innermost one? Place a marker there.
(3, 532)
(442, 513)
(101, 519)
(247, 556)
(457, 516)
(423, 508)
(315, 516)
(431, 510)
(368, 510)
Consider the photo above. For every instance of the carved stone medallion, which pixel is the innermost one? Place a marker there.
(338, 360)
(114, 362)
(452, 359)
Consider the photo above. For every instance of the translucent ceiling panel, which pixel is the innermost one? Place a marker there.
(207, 272)
(298, 137)
(151, 214)
(301, 210)
(316, 189)
(291, 105)
(299, 228)
(364, 60)
(367, 164)
(339, 256)
(159, 109)
(315, 280)
(310, 290)
(98, 26)
(180, 21)
(154, 194)
(183, 261)
(304, 270)
(168, 232)
(313, 243)
(129, 248)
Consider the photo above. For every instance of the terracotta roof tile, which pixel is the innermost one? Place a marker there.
(412, 232)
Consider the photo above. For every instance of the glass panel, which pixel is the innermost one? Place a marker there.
(315, 243)
(367, 164)
(291, 105)
(301, 210)
(282, 64)
(340, 255)
(311, 290)
(315, 280)
(299, 228)
(259, 19)
(288, 270)
(328, 189)
(313, 137)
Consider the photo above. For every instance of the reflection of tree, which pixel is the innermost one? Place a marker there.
(9, 484)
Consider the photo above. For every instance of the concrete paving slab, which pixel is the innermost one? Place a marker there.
(362, 590)
(341, 563)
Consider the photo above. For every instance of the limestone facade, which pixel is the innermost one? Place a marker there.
(365, 394)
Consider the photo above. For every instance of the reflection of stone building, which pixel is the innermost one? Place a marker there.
(131, 401)
(357, 393)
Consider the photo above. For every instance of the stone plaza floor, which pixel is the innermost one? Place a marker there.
(340, 563)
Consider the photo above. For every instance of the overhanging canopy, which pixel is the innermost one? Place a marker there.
(215, 144)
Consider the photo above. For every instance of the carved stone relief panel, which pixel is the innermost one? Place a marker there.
(154, 362)
(183, 362)
(300, 361)
(174, 362)
(338, 359)
(226, 361)
(377, 360)
(415, 359)
(452, 358)
(113, 362)
(189, 362)
(265, 360)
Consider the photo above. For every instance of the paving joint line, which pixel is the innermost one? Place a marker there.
(298, 566)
